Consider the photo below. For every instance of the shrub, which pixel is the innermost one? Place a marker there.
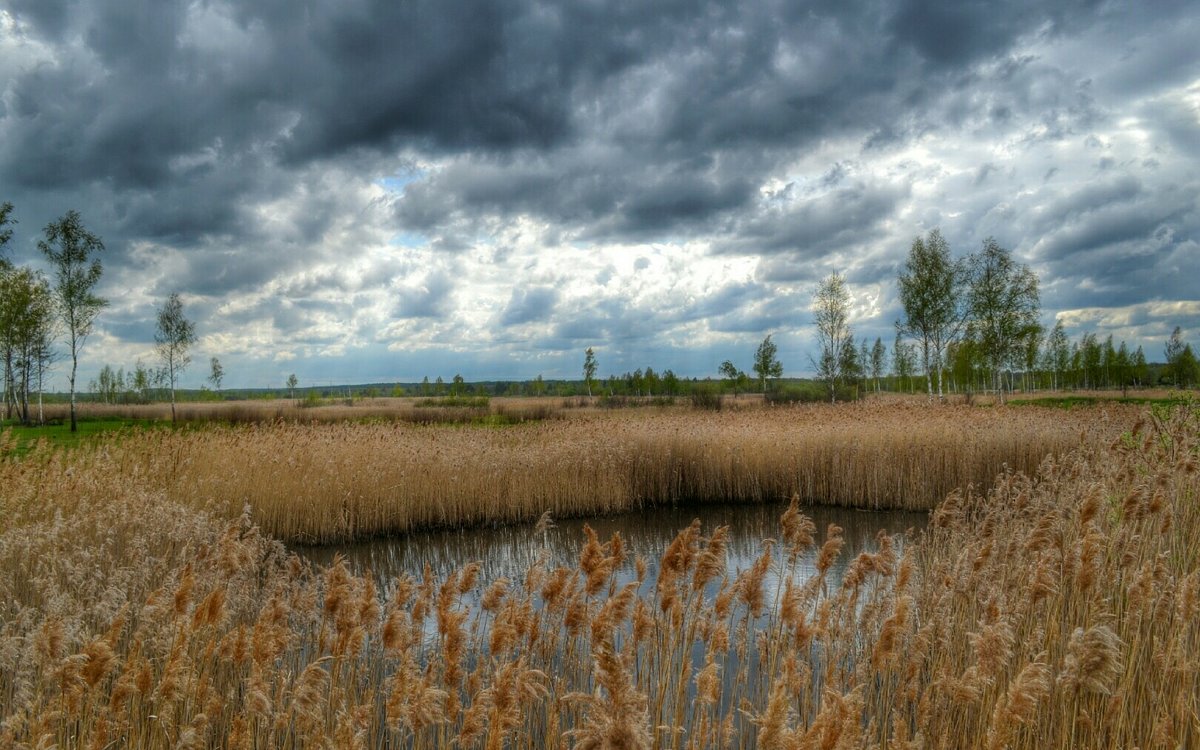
(613, 401)
(802, 393)
(456, 402)
(706, 398)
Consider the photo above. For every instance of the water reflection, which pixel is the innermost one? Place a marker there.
(510, 551)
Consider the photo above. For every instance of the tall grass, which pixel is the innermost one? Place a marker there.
(1054, 611)
(339, 481)
(447, 410)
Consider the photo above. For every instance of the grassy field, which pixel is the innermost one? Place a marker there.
(24, 438)
(1056, 609)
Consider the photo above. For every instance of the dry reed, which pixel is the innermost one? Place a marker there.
(1058, 610)
(419, 411)
(341, 480)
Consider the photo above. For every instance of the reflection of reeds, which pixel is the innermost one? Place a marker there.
(1061, 611)
(338, 481)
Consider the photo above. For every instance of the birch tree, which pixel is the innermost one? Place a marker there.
(1174, 352)
(26, 336)
(831, 313)
(71, 251)
(6, 349)
(216, 373)
(1004, 304)
(766, 363)
(878, 358)
(172, 339)
(1031, 349)
(6, 232)
(902, 362)
(589, 369)
(932, 292)
(1058, 353)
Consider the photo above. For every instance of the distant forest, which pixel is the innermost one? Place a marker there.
(970, 325)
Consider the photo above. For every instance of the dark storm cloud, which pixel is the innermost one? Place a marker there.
(215, 271)
(529, 305)
(430, 298)
(1097, 231)
(150, 87)
(139, 330)
(49, 16)
(736, 307)
(952, 33)
(732, 296)
(601, 193)
(221, 148)
(611, 320)
(772, 314)
(838, 220)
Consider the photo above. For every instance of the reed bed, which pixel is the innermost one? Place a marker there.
(339, 481)
(1055, 610)
(419, 411)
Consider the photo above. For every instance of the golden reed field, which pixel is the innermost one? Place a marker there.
(334, 479)
(1058, 608)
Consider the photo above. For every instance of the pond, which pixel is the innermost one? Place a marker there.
(509, 551)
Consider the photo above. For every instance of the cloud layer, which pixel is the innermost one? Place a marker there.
(373, 190)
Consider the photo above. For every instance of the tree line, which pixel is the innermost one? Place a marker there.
(36, 312)
(969, 324)
(975, 325)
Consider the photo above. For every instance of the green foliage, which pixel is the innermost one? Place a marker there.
(1185, 367)
(71, 251)
(614, 401)
(1182, 369)
(6, 222)
(705, 396)
(878, 361)
(804, 392)
(1003, 304)
(88, 432)
(140, 383)
(831, 313)
(1073, 402)
(27, 327)
(109, 386)
(216, 373)
(931, 291)
(1057, 354)
(173, 337)
(904, 361)
(766, 363)
(670, 383)
(589, 369)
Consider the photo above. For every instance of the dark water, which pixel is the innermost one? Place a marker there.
(510, 551)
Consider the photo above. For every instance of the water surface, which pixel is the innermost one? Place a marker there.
(510, 551)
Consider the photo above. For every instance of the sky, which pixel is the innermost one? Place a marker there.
(374, 191)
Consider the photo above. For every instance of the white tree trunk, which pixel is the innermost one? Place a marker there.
(74, 368)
